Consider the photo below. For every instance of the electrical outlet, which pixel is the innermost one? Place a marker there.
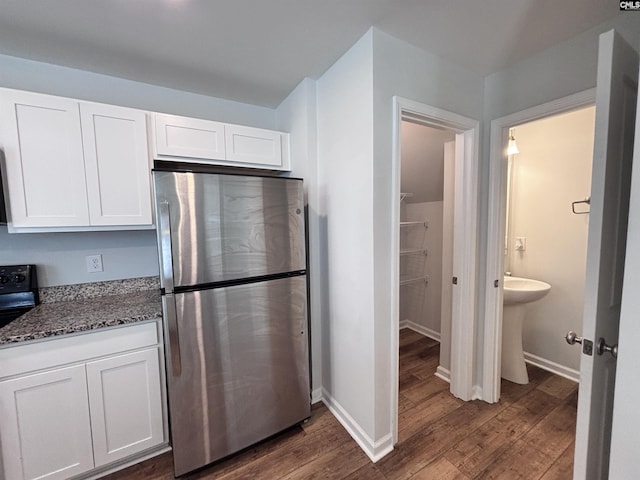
(94, 263)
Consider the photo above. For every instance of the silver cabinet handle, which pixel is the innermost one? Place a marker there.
(169, 309)
(165, 246)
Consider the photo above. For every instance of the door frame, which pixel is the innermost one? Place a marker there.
(496, 214)
(463, 328)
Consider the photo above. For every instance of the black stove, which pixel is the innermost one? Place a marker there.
(18, 291)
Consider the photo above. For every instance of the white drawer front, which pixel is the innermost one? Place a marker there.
(19, 359)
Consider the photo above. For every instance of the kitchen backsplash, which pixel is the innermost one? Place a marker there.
(97, 289)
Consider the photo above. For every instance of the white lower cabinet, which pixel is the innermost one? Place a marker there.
(45, 425)
(72, 420)
(126, 406)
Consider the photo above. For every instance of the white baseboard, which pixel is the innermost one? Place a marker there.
(374, 450)
(552, 367)
(427, 332)
(443, 373)
(316, 395)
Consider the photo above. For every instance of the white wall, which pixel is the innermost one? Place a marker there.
(552, 170)
(403, 70)
(420, 303)
(297, 115)
(60, 257)
(422, 166)
(345, 173)
(43, 77)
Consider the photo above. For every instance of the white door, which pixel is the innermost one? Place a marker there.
(126, 405)
(613, 147)
(117, 165)
(625, 441)
(448, 199)
(42, 143)
(45, 431)
(463, 297)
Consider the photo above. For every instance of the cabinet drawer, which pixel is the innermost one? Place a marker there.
(19, 359)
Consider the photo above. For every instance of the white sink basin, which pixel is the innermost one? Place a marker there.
(519, 290)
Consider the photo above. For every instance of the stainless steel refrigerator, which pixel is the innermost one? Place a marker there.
(233, 277)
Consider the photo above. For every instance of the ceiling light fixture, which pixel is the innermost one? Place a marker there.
(512, 148)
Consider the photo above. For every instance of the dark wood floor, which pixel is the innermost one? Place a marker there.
(528, 435)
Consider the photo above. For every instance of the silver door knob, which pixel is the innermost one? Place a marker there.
(602, 347)
(572, 338)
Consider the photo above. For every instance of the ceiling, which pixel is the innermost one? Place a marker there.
(257, 51)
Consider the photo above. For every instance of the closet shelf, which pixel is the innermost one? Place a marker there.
(413, 251)
(425, 224)
(421, 278)
(405, 195)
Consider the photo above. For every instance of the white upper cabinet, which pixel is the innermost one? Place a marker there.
(254, 146)
(117, 165)
(188, 137)
(73, 165)
(45, 175)
(193, 140)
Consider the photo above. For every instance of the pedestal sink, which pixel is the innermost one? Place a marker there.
(517, 293)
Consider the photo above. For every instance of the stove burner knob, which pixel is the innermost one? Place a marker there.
(4, 279)
(18, 278)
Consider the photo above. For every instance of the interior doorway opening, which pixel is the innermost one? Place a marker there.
(426, 233)
(533, 233)
(464, 181)
(547, 222)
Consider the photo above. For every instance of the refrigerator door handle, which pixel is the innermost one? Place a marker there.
(171, 319)
(165, 246)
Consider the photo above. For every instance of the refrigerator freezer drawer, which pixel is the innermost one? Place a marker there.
(244, 368)
(229, 227)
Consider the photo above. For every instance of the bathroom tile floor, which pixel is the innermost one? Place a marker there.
(528, 435)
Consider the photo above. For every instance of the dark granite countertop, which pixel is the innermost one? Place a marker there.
(82, 314)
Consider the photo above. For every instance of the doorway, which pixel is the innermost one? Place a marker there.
(426, 224)
(547, 222)
(465, 179)
(533, 244)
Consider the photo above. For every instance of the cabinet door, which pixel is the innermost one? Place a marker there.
(255, 146)
(184, 137)
(45, 431)
(126, 408)
(117, 165)
(42, 143)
